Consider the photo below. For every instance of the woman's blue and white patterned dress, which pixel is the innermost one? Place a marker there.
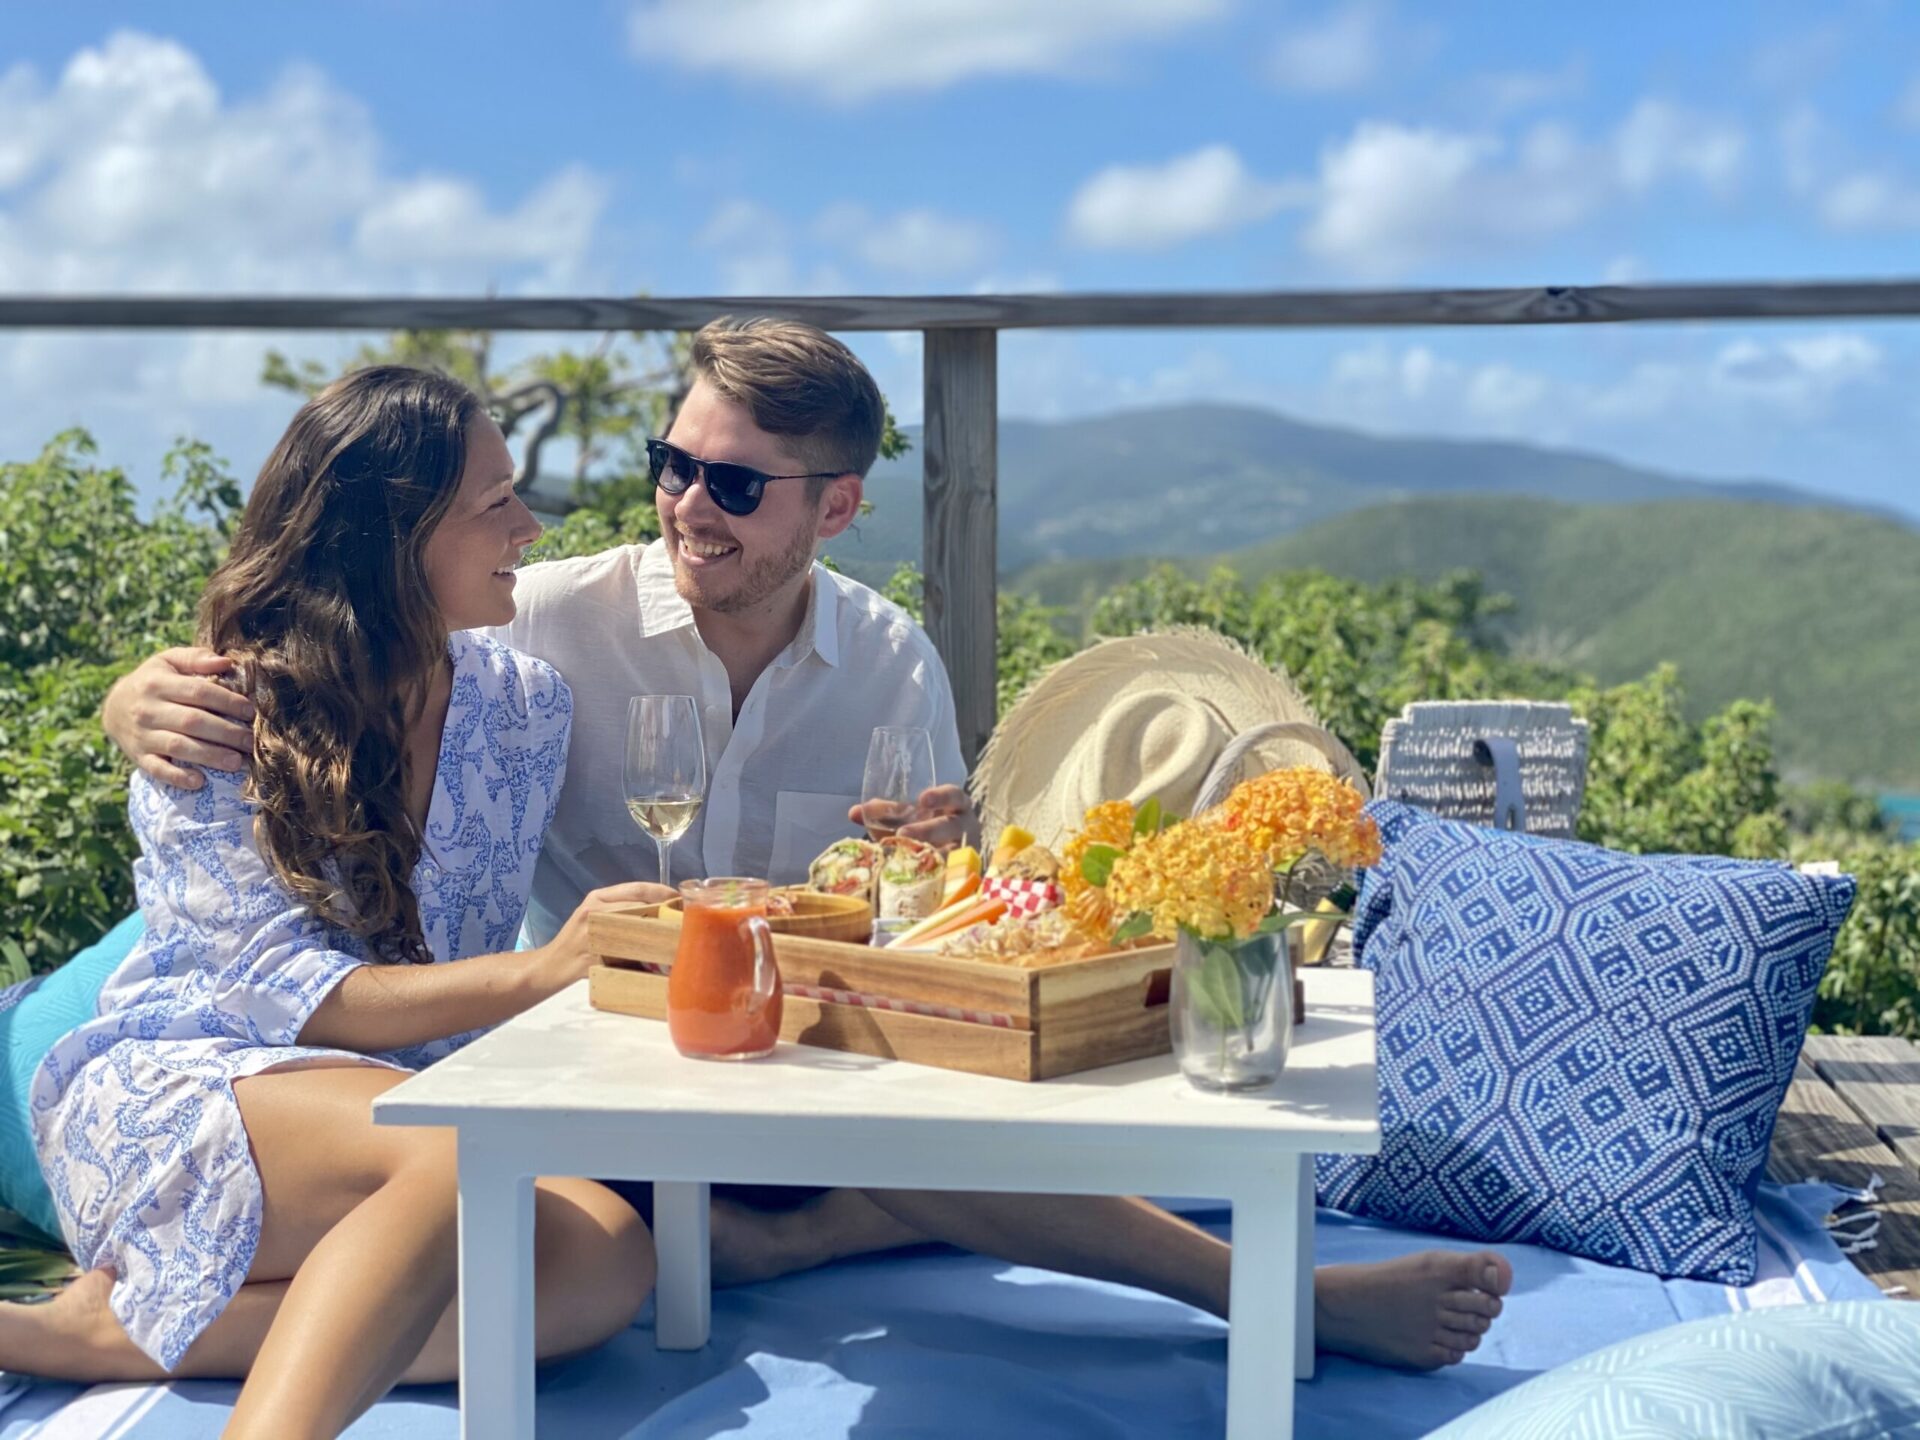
(133, 1112)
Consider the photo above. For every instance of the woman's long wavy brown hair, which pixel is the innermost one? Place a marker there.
(324, 601)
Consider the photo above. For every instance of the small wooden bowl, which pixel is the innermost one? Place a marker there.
(816, 915)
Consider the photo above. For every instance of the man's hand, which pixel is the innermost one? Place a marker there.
(943, 817)
(167, 715)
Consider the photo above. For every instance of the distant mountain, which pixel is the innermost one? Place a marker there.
(1816, 609)
(1195, 479)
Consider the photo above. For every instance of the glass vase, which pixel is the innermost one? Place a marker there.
(1232, 1009)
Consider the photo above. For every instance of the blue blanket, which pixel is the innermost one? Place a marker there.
(937, 1343)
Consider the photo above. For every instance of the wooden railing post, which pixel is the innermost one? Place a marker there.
(960, 445)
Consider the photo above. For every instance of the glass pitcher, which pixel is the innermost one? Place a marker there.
(724, 998)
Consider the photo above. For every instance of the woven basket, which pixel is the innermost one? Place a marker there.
(1316, 877)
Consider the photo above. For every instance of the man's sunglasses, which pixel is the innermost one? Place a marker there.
(736, 489)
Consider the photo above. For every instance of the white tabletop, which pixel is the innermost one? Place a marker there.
(567, 1061)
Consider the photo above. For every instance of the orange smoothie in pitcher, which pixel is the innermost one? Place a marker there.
(723, 993)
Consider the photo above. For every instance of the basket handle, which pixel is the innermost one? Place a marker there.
(1226, 769)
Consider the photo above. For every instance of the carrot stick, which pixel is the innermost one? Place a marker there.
(976, 911)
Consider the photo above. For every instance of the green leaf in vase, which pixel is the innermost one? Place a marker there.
(1218, 979)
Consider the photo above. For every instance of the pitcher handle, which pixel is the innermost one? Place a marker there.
(766, 974)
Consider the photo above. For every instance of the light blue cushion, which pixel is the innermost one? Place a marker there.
(1578, 1048)
(1844, 1371)
(34, 1014)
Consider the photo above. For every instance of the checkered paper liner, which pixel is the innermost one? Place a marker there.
(1024, 898)
(876, 1002)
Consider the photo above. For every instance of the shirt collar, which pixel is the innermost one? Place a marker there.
(820, 629)
(663, 610)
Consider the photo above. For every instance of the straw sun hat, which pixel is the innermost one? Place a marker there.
(1132, 719)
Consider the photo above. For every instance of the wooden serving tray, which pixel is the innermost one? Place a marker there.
(972, 1015)
(821, 917)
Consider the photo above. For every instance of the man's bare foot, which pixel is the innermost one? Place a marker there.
(751, 1245)
(1421, 1311)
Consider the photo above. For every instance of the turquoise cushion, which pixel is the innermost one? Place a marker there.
(1579, 1048)
(1844, 1371)
(34, 1014)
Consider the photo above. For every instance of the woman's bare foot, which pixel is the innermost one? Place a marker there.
(751, 1245)
(73, 1336)
(1421, 1311)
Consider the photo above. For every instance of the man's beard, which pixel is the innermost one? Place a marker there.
(756, 582)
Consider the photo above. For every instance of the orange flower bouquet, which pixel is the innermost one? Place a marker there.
(1210, 884)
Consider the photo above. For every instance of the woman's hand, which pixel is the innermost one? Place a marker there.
(566, 958)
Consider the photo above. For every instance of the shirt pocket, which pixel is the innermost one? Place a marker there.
(804, 823)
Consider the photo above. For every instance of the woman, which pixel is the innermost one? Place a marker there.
(342, 912)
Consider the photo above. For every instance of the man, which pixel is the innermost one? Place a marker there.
(793, 667)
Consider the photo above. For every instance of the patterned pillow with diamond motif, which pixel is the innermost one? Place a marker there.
(1579, 1048)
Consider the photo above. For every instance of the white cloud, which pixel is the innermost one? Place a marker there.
(1625, 270)
(1340, 51)
(130, 171)
(1871, 200)
(1155, 207)
(1854, 199)
(759, 252)
(1660, 141)
(1798, 61)
(852, 50)
(1802, 135)
(1501, 93)
(1392, 197)
(1740, 382)
(741, 222)
(912, 242)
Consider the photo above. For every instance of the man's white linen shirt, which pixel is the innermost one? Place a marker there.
(780, 778)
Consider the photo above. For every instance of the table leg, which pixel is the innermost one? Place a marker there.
(1266, 1297)
(683, 1291)
(496, 1298)
(1303, 1337)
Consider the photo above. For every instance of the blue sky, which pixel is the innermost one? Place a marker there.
(857, 146)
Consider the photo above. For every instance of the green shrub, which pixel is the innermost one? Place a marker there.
(1872, 984)
(94, 588)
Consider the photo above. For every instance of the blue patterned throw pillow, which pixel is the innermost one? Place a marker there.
(1578, 1048)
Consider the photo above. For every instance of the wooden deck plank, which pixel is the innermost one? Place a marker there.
(1879, 1076)
(1820, 1137)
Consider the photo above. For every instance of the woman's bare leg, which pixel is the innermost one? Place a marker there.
(585, 1236)
(356, 1318)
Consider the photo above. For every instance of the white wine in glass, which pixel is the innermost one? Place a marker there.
(899, 770)
(665, 777)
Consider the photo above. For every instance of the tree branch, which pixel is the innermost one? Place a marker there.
(555, 405)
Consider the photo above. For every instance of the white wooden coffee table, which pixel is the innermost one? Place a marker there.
(568, 1090)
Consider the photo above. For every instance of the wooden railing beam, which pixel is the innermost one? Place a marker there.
(1275, 309)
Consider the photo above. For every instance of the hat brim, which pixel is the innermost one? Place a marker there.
(1033, 770)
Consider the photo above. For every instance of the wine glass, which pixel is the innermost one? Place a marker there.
(665, 778)
(899, 771)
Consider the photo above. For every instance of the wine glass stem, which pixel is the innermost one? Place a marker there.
(666, 861)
